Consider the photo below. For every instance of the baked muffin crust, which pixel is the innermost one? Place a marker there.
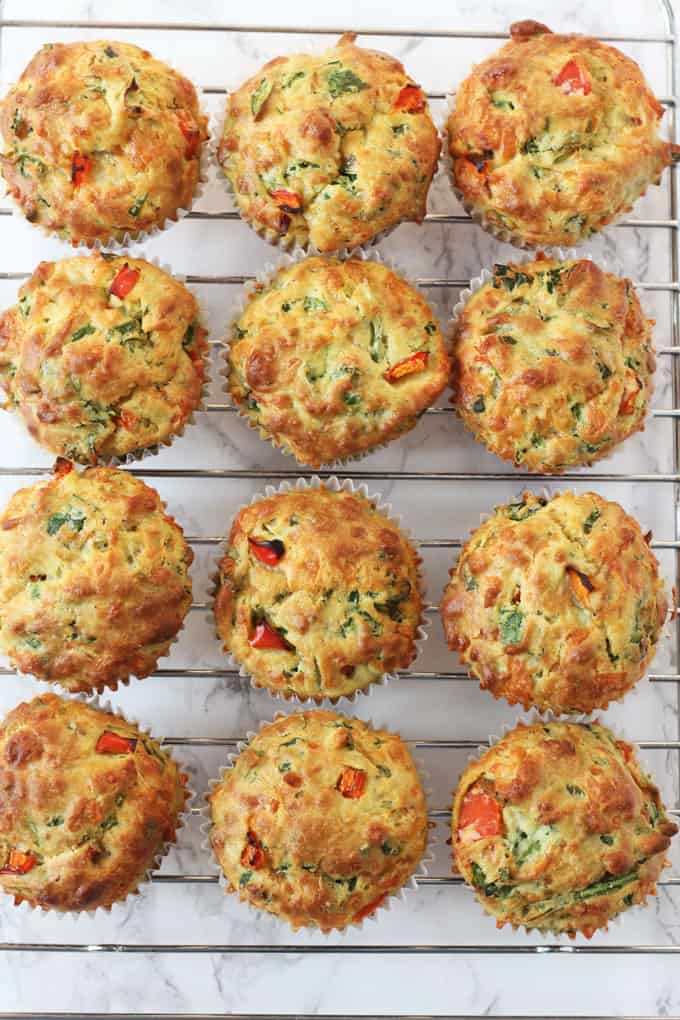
(102, 356)
(557, 827)
(554, 136)
(318, 594)
(334, 357)
(329, 149)
(101, 140)
(556, 604)
(87, 804)
(552, 363)
(94, 581)
(319, 820)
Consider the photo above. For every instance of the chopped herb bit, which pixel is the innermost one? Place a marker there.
(25, 306)
(511, 625)
(574, 222)
(289, 743)
(430, 328)
(109, 822)
(83, 331)
(399, 129)
(240, 333)
(377, 345)
(73, 517)
(343, 80)
(605, 370)
(577, 411)
(245, 878)
(314, 304)
(288, 81)
(285, 766)
(389, 849)
(260, 96)
(612, 657)
(479, 406)
(136, 206)
(32, 642)
(590, 521)
(352, 399)
(54, 821)
(574, 790)
(608, 840)
(110, 52)
(502, 104)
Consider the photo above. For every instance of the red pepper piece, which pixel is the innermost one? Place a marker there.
(627, 405)
(482, 812)
(193, 137)
(20, 862)
(114, 743)
(408, 366)
(289, 201)
(410, 99)
(125, 420)
(268, 551)
(625, 749)
(580, 584)
(351, 783)
(572, 78)
(124, 281)
(266, 637)
(370, 908)
(292, 779)
(252, 855)
(80, 168)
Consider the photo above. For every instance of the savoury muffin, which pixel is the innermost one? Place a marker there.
(554, 136)
(329, 149)
(94, 578)
(332, 358)
(318, 594)
(88, 803)
(101, 140)
(556, 604)
(319, 820)
(558, 828)
(553, 363)
(102, 356)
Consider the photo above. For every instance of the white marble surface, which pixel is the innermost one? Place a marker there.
(193, 914)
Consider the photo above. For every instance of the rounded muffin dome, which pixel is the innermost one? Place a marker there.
(332, 358)
(101, 140)
(319, 820)
(94, 578)
(554, 136)
(89, 802)
(552, 363)
(318, 594)
(102, 356)
(329, 149)
(556, 604)
(557, 828)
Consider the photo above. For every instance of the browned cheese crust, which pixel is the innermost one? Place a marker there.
(319, 820)
(318, 594)
(80, 827)
(558, 828)
(94, 581)
(556, 604)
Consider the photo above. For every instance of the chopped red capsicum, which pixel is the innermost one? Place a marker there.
(407, 366)
(125, 420)
(370, 908)
(289, 201)
(625, 749)
(266, 550)
(480, 812)
(80, 168)
(580, 584)
(124, 281)
(252, 855)
(266, 637)
(572, 78)
(351, 782)
(115, 743)
(192, 136)
(410, 99)
(20, 862)
(627, 405)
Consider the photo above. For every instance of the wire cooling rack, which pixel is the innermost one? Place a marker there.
(666, 483)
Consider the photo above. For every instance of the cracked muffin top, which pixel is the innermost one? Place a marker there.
(102, 356)
(319, 820)
(554, 136)
(332, 358)
(94, 578)
(556, 604)
(318, 594)
(101, 140)
(552, 363)
(558, 828)
(88, 802)
(329, 149)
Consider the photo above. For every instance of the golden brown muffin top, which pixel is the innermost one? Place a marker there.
(556, 604)
(87, 802)
(319, 820)
(552, 363)
(101, 140)
(329, 149)
(558, 828)
(94, 581)
(553, 136)
(102, 356)
(318, 594)
(332, 358)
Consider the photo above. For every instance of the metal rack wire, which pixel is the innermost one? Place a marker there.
(668, 45)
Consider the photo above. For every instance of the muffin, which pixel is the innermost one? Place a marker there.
(101, 140)
(554, 136)
(329, 149)
(318, 594)
(319, 820)
(556, 604)
(553, 363)
(89, 802)
(94, 578)
(558, 828)
(332, 358)
(103, 356)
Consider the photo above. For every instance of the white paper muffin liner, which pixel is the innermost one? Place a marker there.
(531, 718)
(333, 484)
(116, 911)
(247, 909)
(264, 276)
